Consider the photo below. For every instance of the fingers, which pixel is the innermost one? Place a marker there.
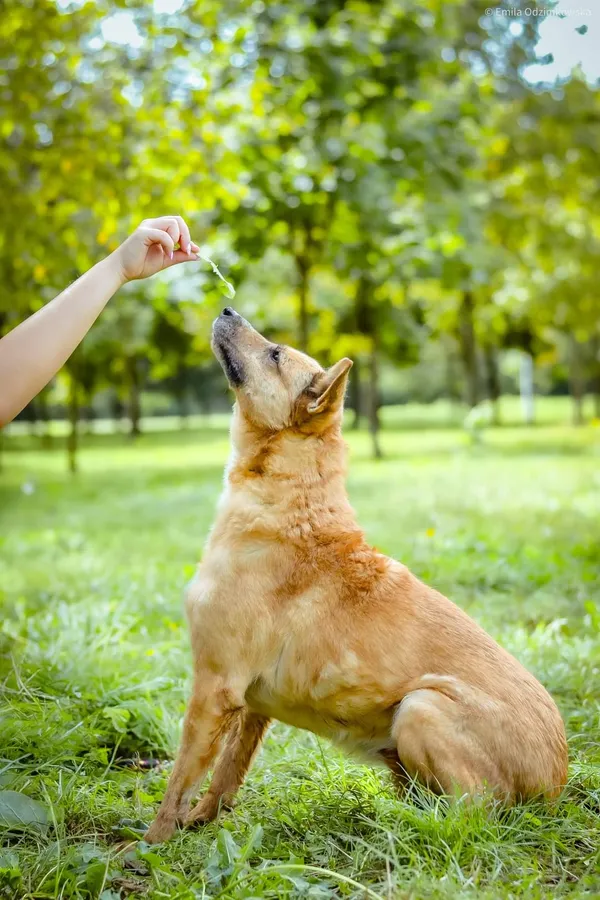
(180, 257)
(156, 236)
(184, 235)
(175, 226)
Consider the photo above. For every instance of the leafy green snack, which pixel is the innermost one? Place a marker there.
(215, 268)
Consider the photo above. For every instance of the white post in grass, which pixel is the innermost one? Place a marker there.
(526, 387)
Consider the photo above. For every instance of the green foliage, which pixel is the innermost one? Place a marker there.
(10, 874)
(20, 811)
(373, 176)
(95, 668)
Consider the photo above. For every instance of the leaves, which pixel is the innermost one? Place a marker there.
(390, 144)
(10, 874)
(20, 811)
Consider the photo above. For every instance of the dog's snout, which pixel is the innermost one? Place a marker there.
(228, 311)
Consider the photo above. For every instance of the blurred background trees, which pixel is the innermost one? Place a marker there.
(379, 179)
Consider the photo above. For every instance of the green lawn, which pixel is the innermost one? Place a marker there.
(95, 665)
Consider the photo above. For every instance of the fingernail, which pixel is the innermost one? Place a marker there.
(171, 255)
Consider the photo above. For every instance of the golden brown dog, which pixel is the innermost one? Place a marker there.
(294, 617)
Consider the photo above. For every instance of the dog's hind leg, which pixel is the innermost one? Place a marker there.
(209, 716)
(438, 743)
(239, 750)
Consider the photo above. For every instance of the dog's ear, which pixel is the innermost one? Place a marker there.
(329, 388)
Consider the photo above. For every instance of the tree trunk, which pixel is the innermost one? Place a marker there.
(46, 435)
(3, 319)
(184, 413)
(133, 406)
(576, 381)
(577, 396)
(73, 436)
(373, 400)
(468, 348)
(183, 396)
(492, 380)
(596, 380)
(355, 394)
(115, 409)
(89, 412)
(526, 388)
(32, 417)
(303, 272)
(366, 323)
(452, 389)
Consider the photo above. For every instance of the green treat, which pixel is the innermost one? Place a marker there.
(215, 268)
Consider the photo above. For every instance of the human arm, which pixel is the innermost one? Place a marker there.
(33, 352)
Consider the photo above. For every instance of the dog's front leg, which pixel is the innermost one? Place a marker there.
(240, 748)
(213, 707)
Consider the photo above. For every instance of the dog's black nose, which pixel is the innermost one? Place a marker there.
(228, 311)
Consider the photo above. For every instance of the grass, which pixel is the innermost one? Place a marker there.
(94, 669)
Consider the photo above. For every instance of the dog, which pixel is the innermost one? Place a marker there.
(293, 616)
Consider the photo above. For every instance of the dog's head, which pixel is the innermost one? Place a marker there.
(276, 387)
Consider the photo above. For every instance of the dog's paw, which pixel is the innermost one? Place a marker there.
(202, 813)
(207, 809)
(160, 830)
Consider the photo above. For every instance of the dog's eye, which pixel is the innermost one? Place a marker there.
(275, 354)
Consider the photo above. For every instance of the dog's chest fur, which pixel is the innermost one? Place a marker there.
(295, 652)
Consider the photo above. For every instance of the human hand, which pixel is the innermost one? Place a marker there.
(151, 248)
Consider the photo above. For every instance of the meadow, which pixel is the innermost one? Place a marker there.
(94, 668)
